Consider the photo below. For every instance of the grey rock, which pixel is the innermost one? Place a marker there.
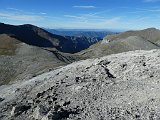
(19, 109)
(117, 87)
(40, 112)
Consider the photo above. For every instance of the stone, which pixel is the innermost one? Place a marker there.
(19, 109)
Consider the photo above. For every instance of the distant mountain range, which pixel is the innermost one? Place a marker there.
(78, 33)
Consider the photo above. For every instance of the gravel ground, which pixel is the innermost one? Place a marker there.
(117, 87)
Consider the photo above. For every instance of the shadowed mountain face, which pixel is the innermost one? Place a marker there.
(128, 41)
(36, 36)
(29, 34)
(79, 43)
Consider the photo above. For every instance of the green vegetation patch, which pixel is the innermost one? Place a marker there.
(7, 45)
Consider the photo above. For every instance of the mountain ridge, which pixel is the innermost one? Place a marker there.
(146, 39)
(151, 34)
(36, 36)
(77, 33)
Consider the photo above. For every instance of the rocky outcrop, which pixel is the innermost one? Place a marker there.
(122, 86)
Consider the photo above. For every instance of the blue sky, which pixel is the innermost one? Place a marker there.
(84, 14)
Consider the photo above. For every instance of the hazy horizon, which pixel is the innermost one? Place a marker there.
(90, 14)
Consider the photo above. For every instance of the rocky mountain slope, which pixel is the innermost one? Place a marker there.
(151, 34)
(31, 35)
(117, 87)
(36, 36)
(128, 41)
(81, 42)
(20, 61)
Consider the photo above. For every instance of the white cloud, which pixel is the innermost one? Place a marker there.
(84, 6)
(86, 17)
(43, 13)
(151, 0)
(20, 17)
(139, 11)
(73, 16)
(112, 21)
(92, 22)
(15, 9)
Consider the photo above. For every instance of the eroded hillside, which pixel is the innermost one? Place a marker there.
(20, 61)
